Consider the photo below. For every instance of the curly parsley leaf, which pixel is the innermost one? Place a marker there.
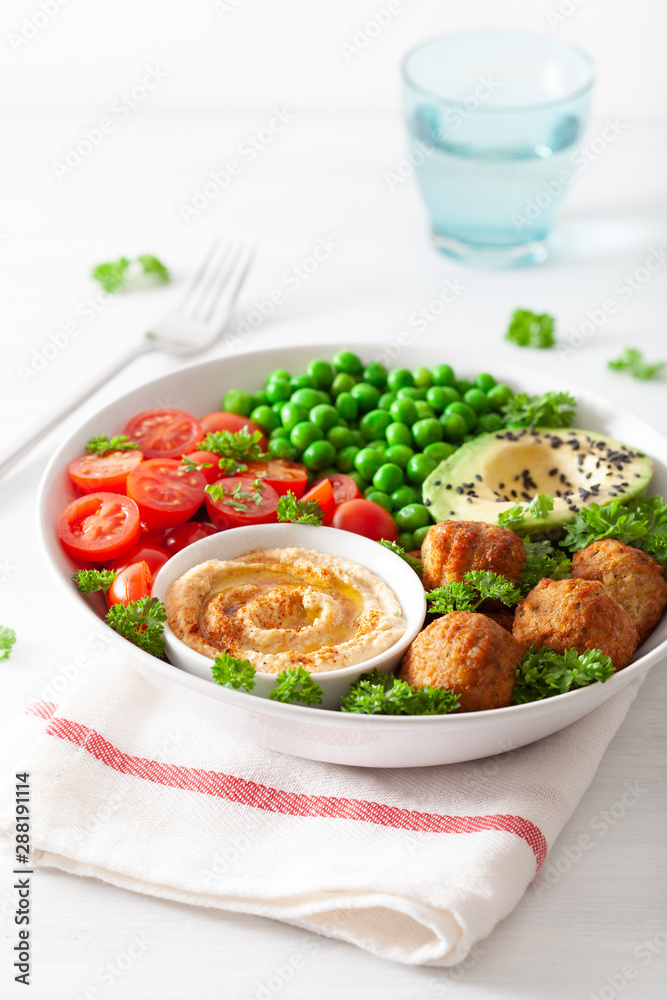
(512, 516)
(632, 362)
(188, 465)
(241, 446)
(467, 595)
(455, 596)
(7, 640)
(414, 563)
(493, 586)
(154, 267)
(116, 275)
(142, 622)
(641, 522)
(102, 445)
(529, 329)
(542, 560)
(232, 672)
(384, 694)
(112, 275)
(299, 511)
(240, 497)
(296, 685)
(553, 409)
(544, 673)
(540, 506)
(89, 581)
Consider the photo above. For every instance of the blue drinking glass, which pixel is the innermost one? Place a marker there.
(494, 119)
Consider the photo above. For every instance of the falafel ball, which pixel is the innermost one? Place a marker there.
(575, 614)
(501, 615)
(453, 548)
(468, 654)
(635, 579)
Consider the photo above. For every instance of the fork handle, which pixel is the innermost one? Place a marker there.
(73, 405)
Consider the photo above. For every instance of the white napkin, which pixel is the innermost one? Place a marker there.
(412, 865)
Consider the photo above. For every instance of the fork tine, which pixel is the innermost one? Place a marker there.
(225, 291)
(193, 284)
(221, 267)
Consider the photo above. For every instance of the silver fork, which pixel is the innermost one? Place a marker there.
(198, 321)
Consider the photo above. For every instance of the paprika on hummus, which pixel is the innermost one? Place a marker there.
(285, 607)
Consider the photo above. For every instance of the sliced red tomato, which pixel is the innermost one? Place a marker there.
(185, 534)
(131, 584)
(284, 476)
(206, 458)
(242, 504)
(220, 421)
(322, 493)
(103, 473)
(344, 487)
(98, 527)
(154, 557)
(364, 517)
(151, 535)
(165, 494)
(164, 433)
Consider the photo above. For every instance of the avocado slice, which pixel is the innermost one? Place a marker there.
(494, 471)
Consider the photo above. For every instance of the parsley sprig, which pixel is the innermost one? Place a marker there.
(7, 640)
(116, 275)
(296, 685)
(240, 446)
(641, 522)
(384, 694)
(299, 511)
(553, 409)
(467, 595)
(102, 445)
(88, 581)
(632, 362)
(542, 560)
(188, 465)
(544, 673)
(414, 563)
(529, 329)
(142, 622)
(538, 508)
(240, 497)
(233, 672)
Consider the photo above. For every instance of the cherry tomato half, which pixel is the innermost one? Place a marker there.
(220, 421)
(185, 534)
(284, 476)
(98, 527)
(154, 557)
(164, 433)
(344, 487)
(103, 473)
(164, 493)
(243, 504)
(151, 535)
(365, 518)
(206, 458)
(322, 493)
(131, 584)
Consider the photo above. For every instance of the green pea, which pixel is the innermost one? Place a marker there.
(454, 426)
(280, 447)
(386, 399)
(485, 381)
(423, 409)
(340, 437)
(324, 415)
(414, 516)
(403, 411)
(367, 462)
(380, 446)
(388, 477)
(378, 496)
(321, 373)
(362, 484)
(301, 382)
(366, 395)
(359, 438)
(418, 468)
(259, 399)
(419, 536)
(266, 418)
(465, 411)
(398, 433)
(406, 541)
(411, 392)
(330, 470)
(309, 397)
(279, 432)
(499, 395)
(399, 454)
(463, 384)
(342, 383)
(405, 495)
(375, 374)
(346, 361)
(292, 414)
(490, 422)
(397, 378)
(439, 450)
(277, 407)
(426, 432)
(278, 391)
(438, 397)
(374, 423)
(422, 377)
(443, 375)
(477, 399)
(318, 455)
(347, 405)
(304, 434)
(280, 374)
(237, 401)
(345, 458)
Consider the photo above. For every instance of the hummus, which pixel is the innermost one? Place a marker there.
(283, 608)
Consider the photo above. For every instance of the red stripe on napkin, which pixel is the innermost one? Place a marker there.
(277, 800)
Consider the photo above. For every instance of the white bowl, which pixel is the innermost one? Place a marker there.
(366, 741)
(396, 573)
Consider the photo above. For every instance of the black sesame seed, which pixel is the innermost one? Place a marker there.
(448, 486)
(436, 482)
(459, 490)
(552, 472)
(427, 502)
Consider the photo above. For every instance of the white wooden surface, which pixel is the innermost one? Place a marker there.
(585, 918)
